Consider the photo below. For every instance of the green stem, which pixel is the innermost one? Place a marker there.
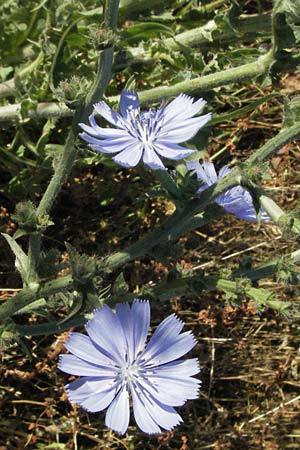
(245, 29)
(211, 7)
(65, 164)
(60, 175)
(281, 218)
(29, 295)
(208, 82)
(34, 248)
(168, 183)
(128, 7)
(176, 224)
(11, 113)
(8, 88)
(273, 145)
(102, 79)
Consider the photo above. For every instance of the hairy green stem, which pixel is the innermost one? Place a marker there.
(8, 88)
(102, 79)
(65, 164)
(273, 145)
(175, 224)
(29, 295)
(245, 28)
(168, 183)
(207, 82)
(128, 7)
(34, 249)
(11, 113)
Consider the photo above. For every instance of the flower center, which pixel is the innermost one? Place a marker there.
(129, 372)
(144, 126)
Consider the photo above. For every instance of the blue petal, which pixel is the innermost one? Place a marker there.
(130, 156)
(184, 130)
(117, 416)
(129, 101)
(178, 369)
(108, 145)
(142, 417)
(169, 350)
(169, 392)
(224, 171)
(100, 329)
(93, 394)
(151, 159)
(108, 114)
(182, 107)
(124, 315)
(172, 151)
(82, 347)
(174, 392)
(135, 322)
(165, 416)
(102, 133)
(141, 319)
(166, 331)
(76, 366)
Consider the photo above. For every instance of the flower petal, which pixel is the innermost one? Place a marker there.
(182, 107)
(172, 151)
(169, 391)
(76, 366)
(129, 101)
(117, 416)
(166, 331)
(142, 417)
(83, 388)
(184, 130)
(178, 369)
(151, 159)
(108, 145)
(173, 348)
(82, 347)
(102, 133)
(165, 416)
(108, 114)
(100, 329)
(130, 156)
(174, 392)
(141, 318)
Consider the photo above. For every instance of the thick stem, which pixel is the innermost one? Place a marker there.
(10, 113)
(61, 173)
(168, 183)
(29, 295)
(8, 88)
(245, 28)
(65, 164)
(274, 144)
(175, 224)
(34, 248)
(208, 82)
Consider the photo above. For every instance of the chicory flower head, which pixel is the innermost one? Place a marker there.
(115, 363)
(149, 135)
(236, 201)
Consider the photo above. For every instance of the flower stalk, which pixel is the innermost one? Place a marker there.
(65, 164)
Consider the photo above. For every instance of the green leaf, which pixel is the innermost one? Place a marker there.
(21, 261)
(145, 31)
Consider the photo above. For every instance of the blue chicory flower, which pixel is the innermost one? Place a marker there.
(236, 201)
(115, 363)
(149, 135)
